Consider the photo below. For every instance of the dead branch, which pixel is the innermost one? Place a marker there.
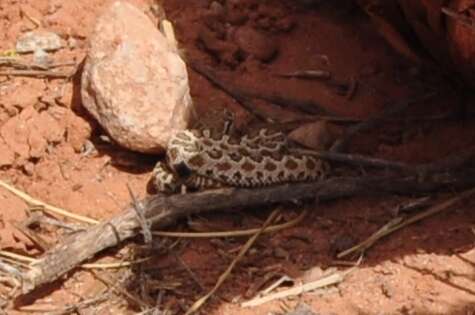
(163, 211)
(37, 74)
(245, 102)
(449, 163)
(358, 160)
(399, 222)
(306, 74)
(316, 111)
(378, 119)
(19, 64)
(307, 106)
(462, 18)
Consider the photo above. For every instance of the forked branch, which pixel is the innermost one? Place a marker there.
(163, 211)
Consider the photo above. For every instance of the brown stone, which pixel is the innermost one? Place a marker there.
(318, 135)
(255, 43)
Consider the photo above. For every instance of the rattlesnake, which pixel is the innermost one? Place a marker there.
(201, 159)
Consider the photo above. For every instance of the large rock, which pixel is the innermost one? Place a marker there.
(134, 82)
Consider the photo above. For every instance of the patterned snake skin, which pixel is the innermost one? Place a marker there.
(203, 159)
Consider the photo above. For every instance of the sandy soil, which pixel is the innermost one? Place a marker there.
(427, 268)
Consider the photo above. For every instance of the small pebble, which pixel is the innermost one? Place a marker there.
(29, 168)
(72, 43)
(279, 252)
(53, 8)
(216, 8)
(38, 40)
(41, 58)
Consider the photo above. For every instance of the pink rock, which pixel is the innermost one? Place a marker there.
(134, 82)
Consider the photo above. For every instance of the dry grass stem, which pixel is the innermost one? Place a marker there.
(36, 74)
(399, 223)
(115, 265)
(297, 290)
(32, 201)
(228, 271)
(269, 229)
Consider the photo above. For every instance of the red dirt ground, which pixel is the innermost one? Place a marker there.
(427, 268)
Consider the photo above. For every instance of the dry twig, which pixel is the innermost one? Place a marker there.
(460, 17)
(307, 106)
(115, 265)
(358, 160)
(326, 281)
(269, 229)
(306, 74)
(378, 119)
(30, 18)
(37, 74)
(55, 210)
(19, 64)
(229, 90)
(139, 209)
(190, 272)
(163, 211)
(399, 223)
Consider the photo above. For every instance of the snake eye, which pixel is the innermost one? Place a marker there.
(182, 170)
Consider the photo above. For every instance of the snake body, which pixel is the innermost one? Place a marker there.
(201, 159)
